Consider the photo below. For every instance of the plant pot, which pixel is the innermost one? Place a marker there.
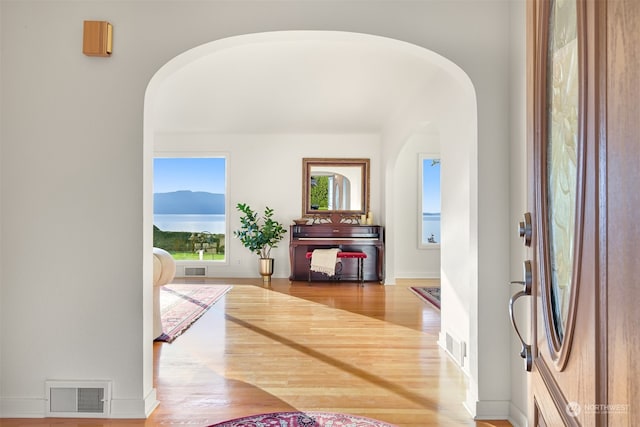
(266, 269)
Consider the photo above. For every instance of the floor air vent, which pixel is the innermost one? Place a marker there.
(79, 399)
(195, 271)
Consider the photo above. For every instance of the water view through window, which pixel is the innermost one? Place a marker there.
(430, 221)
(189, 218)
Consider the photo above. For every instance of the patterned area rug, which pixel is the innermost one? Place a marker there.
(182, 305)
(303, 419)
(431, 295)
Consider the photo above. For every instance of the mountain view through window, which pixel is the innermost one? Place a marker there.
(189, 218)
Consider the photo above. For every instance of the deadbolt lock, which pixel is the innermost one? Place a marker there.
(525, 229)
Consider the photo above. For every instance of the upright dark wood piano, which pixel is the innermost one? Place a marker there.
(368, 239)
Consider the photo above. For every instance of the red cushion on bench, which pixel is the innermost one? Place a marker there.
(345, 255)
(352, 255)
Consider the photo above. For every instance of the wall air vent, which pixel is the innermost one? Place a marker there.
(78, 399)
(456, 349)
(195, 271)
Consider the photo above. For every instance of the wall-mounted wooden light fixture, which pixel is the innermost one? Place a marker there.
(97, 39)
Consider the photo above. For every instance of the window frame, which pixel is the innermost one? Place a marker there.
(206, 155)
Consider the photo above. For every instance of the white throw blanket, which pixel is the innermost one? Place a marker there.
(324, 260)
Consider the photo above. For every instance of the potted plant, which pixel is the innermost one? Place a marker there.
(259, 234)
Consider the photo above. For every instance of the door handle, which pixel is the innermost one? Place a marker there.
(525, 352)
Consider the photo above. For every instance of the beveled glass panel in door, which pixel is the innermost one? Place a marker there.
(562, 154)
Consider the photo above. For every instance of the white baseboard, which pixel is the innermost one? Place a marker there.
(22, 408)
(487, 409)
(429, 275)
(516, 417)
(133, 408)
(151, 402)
(120, 408)
(492, 409)
(421, 281)
(470, 399)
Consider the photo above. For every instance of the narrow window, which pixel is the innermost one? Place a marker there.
(430, 204)
(189, 218)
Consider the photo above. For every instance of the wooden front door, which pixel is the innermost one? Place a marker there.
(584, 178)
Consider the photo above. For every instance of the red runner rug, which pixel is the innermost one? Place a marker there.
(431, 295)
(303, 419)
(182, 305)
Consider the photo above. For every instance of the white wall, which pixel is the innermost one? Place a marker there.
(71, 174)
(412, 261)
(260, 179)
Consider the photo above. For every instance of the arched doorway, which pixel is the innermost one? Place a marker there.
(334, 92)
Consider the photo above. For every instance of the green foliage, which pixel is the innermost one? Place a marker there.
(184, 241)
(192, 256)
(320, 192)
(259, 234)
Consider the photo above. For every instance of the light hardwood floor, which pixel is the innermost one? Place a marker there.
(291, 346)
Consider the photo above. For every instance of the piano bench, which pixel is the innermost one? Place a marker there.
(359, 256)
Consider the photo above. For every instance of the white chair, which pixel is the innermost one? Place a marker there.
(164, 270)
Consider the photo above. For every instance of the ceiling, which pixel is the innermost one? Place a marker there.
(301, 86)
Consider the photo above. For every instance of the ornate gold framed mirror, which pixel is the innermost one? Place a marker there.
(335, 189)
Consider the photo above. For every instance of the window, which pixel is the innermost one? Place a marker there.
(430, 201)
(189, 219)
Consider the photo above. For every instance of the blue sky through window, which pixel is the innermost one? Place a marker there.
(430, 186)
(189, 173)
